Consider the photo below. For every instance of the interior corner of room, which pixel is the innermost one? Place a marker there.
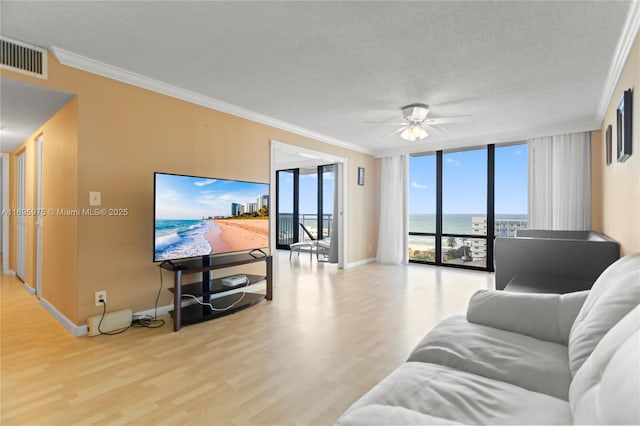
(354, 209)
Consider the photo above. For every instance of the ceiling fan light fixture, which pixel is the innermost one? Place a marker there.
(413, 133)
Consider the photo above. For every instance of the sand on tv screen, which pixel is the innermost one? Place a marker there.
(198, 216)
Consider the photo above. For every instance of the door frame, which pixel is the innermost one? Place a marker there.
(39, 216)
(21, 204)
(4, 158)
(296, 193)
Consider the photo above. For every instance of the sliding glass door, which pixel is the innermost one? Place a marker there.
(286, 207)
(326, 193)
(304, 196)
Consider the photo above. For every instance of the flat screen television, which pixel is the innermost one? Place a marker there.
(198, 216)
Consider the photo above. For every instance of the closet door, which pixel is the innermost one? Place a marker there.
(21, 255)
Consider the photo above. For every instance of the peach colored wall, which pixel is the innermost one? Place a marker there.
(620, 182)
(60, 190)
(125, 134)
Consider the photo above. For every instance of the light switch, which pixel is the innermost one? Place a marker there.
(95, 198)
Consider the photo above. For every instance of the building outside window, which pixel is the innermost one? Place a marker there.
(452, 197)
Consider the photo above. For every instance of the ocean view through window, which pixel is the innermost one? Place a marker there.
(465, 190)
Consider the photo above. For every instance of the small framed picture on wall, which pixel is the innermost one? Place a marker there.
(361, 176)
(624, 120)
(608, 142)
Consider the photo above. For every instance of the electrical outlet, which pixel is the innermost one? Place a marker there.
(101, 296)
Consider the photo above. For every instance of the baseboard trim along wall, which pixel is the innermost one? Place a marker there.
(83, 330)
(361, 262)
(29, 289)
(76, 330)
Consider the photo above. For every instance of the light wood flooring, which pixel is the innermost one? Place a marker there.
(327, 337)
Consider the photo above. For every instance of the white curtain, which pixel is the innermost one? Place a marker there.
(560, 182)
(393, 233)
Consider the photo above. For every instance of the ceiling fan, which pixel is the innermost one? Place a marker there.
(416, 122)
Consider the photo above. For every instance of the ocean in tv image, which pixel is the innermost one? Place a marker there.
(196, 216)
(177, 239)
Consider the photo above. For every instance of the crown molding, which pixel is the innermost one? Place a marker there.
(625, 43)
(496, 138)
(83, 63)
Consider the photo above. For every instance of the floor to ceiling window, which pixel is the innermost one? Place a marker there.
(511, 193)
(464, 208)
(304, 196)
(422, 208)
(327, 193)
(286, 207)
(459, 201)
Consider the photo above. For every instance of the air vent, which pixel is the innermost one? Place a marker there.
(23, 58)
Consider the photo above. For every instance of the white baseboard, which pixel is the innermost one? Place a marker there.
(10, 272)
(360, 262)
(161, 311)
(76, 330)
(83, 330)
(29, 289)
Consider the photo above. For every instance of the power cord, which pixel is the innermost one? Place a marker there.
(109, 333)
(210, 305)
(147, 321)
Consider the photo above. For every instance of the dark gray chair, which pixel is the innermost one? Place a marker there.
(552, 261)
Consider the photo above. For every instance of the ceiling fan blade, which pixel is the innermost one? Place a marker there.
(440, 129)
(383, 122)
(445, 120)
(395, 132)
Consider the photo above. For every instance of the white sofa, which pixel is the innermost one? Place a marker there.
(523, 358)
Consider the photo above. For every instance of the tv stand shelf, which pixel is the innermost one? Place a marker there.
(231, 303)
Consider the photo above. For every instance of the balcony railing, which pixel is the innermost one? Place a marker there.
(286, 226)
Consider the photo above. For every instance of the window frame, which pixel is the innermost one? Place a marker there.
(438, 235)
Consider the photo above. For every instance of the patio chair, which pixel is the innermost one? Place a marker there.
(304, 245)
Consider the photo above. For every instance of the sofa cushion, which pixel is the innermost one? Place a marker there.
(614, 294)
(606, 390)
(540, 315)
(385, 415)
(533, 364)
(456, 396)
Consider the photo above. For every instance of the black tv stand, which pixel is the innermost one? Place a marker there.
(209, 286)
(254, 251)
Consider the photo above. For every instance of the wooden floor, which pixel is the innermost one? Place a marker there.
(327, 337)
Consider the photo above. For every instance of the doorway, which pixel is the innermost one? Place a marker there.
(316, 173)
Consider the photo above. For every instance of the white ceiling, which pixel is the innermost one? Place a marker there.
(520, 68)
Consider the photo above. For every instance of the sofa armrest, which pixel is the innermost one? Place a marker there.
(543, 316)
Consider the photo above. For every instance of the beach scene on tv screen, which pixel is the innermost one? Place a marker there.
(199, 216)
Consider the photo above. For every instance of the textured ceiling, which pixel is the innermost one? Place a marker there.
(519, 69)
